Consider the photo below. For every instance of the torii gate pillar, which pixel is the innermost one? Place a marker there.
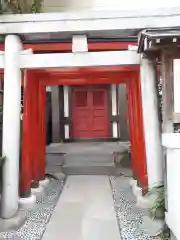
(11, 127)
(152, 132)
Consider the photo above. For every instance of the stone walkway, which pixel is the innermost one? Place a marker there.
(89, 208)
(85, 211)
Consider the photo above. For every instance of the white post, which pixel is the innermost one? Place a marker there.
(66, 110)
(114, 110)
(176, 74)
(152, 134)
(167, 92)
(11, 127)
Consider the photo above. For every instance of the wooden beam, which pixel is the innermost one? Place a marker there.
(67, 47)
(42, 130)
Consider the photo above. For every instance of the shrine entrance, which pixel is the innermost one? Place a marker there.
(85, 79)
(48, 57)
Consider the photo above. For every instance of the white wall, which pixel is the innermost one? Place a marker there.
(176, 85)
(171, 142)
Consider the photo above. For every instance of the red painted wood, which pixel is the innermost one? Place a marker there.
(131, 78)
(86, 71)
(26, 166)
(42, 129)
(137, 131)
(131, 125)
(141, 141)
(90, 112)
(67, 47)
(34, 128)
(33, 153)
(100, 76)
(83, 76)
(83, 72)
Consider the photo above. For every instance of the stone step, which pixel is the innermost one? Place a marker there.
(89, 164)
(107, 169)
(55, 159)
(53, 169)
(83, 163)
(89, 160)
(89, 170)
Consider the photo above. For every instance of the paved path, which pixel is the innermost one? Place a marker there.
(85, 211)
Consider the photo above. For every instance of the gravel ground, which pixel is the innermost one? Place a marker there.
(38, 217)
(129, 216)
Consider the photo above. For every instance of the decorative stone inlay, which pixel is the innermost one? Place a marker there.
(39, 216)
(129, 216)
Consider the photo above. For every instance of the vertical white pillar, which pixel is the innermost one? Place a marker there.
(152, 134)
(176, 74)
(66, 110)
(167, 92)
(114, 110)
(11, 127)
(176, 85)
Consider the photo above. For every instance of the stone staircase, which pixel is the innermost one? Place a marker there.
(86, 159)
(89, 164)
(54, 162)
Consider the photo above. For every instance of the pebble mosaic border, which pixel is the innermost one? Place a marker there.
(129, 216)
(39, 216)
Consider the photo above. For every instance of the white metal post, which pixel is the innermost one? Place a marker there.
(11, 126)
(154, 158)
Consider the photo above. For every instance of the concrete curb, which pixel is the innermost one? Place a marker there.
(14, 223)
(27, 203)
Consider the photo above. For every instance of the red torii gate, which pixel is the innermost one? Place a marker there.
(34, 127)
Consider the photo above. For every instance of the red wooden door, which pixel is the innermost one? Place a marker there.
(90, 112)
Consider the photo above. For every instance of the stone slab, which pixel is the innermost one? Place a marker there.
(85, 211)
